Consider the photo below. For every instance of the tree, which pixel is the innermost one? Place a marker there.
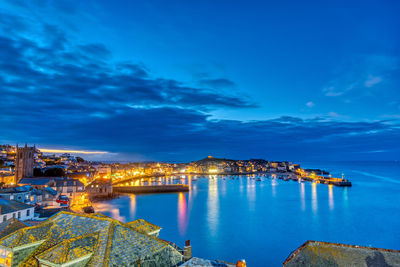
(54, 172)
(80, 160)
(37, 172)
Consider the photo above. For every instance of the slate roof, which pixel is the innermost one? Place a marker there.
(35, 181)
(107, 242)
(316, 253)
(143, 226)
(14, 190)
(8, 206)
(101, 182)
(70, 182)
(26, 235)
(10, 226)
(71, 249)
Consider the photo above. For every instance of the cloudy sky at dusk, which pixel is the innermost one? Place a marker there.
(179, 80)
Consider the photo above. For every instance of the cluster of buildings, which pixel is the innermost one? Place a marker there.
(29, 179)
(79, 239)
(206, 166)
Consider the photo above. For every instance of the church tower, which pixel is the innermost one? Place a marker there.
(24, 162)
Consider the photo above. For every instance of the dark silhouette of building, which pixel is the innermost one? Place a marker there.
(24, 162)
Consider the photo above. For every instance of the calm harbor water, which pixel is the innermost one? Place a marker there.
(264, 221)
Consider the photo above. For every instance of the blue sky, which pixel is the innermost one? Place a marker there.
(178, 80)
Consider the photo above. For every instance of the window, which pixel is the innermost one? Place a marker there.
(14, 215)
(28, 212)
(4, 218)
(19, 214)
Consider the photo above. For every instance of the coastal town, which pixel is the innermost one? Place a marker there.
(42, 193)
(54, 181)
(47, 218)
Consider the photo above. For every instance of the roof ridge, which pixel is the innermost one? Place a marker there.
(102, 218)
(140, 219)
(46, 238)
(67, 246)
(110, 238)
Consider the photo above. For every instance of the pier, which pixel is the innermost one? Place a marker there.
(146, 189)
(322, 179)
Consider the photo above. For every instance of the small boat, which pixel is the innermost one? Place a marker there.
(258, 179)
(88, 209)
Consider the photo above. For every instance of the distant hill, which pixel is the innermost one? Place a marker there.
(212, 159)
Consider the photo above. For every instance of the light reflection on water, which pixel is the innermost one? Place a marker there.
(182, 214)
(331, 205)
(110, 210)
(251, 192)
(302, 196)
(218, 216)
(212, 206)
(314, 202)
(274, 183)
(132, 207)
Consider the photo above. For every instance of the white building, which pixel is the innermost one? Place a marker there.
(103, 171)
(13, 209)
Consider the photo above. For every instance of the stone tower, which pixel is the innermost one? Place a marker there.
(24, 162)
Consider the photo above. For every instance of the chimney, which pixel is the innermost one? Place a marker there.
(187, 251)
(241, 263)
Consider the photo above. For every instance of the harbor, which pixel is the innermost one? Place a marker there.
(212, 213)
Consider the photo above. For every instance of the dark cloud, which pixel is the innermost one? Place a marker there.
(50, 69)
(179, 134)
(57, 93)
(217, 83)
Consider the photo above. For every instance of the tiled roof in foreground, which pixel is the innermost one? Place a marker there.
(10, 226)
(91, 239)
(71, 249)
(315, 253)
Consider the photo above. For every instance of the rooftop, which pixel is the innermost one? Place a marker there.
(316, 253)
(8, 206)
(35, 181)
(10, 226)
(95, 238)
(143, 226)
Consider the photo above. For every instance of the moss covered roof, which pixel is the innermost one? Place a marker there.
(68, 236)
(316, 253)
(70, 249)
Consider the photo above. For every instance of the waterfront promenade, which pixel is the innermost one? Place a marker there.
(299, 175)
